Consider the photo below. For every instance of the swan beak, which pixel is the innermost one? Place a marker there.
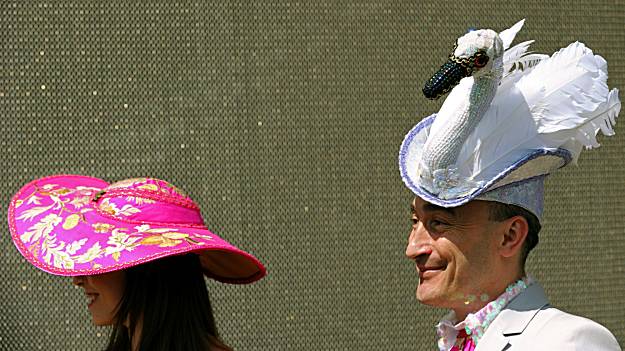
(445, 79)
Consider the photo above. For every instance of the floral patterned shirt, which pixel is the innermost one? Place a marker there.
(475, 324)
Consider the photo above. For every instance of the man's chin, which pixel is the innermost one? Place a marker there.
(434, 295)
(429, 295)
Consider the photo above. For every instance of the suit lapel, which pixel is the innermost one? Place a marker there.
(493, 340)
(513, 319)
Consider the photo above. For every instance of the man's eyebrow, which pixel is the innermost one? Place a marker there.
(435, 208)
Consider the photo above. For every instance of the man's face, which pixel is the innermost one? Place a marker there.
(454, 250)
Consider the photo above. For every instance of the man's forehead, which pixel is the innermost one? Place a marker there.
(420, 205)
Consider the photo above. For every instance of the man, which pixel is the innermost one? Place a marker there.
(478, 168)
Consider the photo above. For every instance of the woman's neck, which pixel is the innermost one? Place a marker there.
(135, 335)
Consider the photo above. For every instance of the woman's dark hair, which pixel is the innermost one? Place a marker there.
(166, 305)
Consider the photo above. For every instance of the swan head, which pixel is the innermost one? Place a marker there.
(478, 53)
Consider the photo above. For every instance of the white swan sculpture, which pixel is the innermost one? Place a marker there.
(511, 116)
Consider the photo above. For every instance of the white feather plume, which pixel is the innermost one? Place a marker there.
(514, 53)
(557, 102)
(507, 36)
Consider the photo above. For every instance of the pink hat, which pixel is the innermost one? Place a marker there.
(75, 225)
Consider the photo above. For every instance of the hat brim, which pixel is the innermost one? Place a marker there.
(530, 164)
(55, 226)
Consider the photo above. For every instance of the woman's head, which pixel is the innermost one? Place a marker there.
(163, 305)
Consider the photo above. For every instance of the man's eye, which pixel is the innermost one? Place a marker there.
(436, 223)
(415, 220)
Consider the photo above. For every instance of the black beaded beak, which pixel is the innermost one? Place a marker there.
(447, 77)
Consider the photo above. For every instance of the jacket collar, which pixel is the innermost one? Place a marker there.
(514, 318)
(521, 310)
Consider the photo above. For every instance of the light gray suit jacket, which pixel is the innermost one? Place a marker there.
(530, 323)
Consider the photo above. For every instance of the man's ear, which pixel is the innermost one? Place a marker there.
(515, 231)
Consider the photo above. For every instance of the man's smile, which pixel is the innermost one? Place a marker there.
(428, 271)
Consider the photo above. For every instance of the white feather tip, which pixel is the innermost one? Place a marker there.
(604, 122)
(507, 36)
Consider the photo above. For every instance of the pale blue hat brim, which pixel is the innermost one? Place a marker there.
(504, 187)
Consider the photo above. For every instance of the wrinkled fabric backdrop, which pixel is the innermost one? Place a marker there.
(283, 120)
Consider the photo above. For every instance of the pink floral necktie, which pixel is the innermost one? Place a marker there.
(463, 342)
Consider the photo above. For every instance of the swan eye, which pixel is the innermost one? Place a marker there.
(480, 60)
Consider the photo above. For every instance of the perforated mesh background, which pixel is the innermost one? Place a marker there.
(283, 120)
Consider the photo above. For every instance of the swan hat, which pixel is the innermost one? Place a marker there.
(74, 225)
(510, 119)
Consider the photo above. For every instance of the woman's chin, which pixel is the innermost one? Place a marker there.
(101, 322)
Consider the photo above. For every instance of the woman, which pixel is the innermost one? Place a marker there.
(139, 249)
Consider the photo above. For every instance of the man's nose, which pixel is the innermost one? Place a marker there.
(419, 242)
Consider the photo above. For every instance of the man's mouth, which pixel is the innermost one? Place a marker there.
(426, 272)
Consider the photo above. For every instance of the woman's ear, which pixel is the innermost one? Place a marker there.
(514, 231)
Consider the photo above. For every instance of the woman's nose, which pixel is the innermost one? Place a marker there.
(78, 280)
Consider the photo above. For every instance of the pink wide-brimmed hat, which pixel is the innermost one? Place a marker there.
(75, 225)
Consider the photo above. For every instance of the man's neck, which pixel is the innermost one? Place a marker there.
(462, 313)
(474, 303)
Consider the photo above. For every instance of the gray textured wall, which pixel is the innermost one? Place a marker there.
(283, 120)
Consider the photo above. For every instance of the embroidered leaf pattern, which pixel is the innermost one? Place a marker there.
(112, 209)
(33, 212)
(62, 191)
(145, 228)
(86, 190)
(163, 241)
(62, 259)
(75, 246)
(174, 236)
(127, 182)
(128, 210)
(192, 241)
(119, 242)
(41, 228)
(71, 221)
(95, 251)
(169, 243)
(102, 227)
(34, 199)
(148, 187)
(79, 201)
(139, 200)
(151, 240)
(108, 207)
(54, 253)
(207, 237)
